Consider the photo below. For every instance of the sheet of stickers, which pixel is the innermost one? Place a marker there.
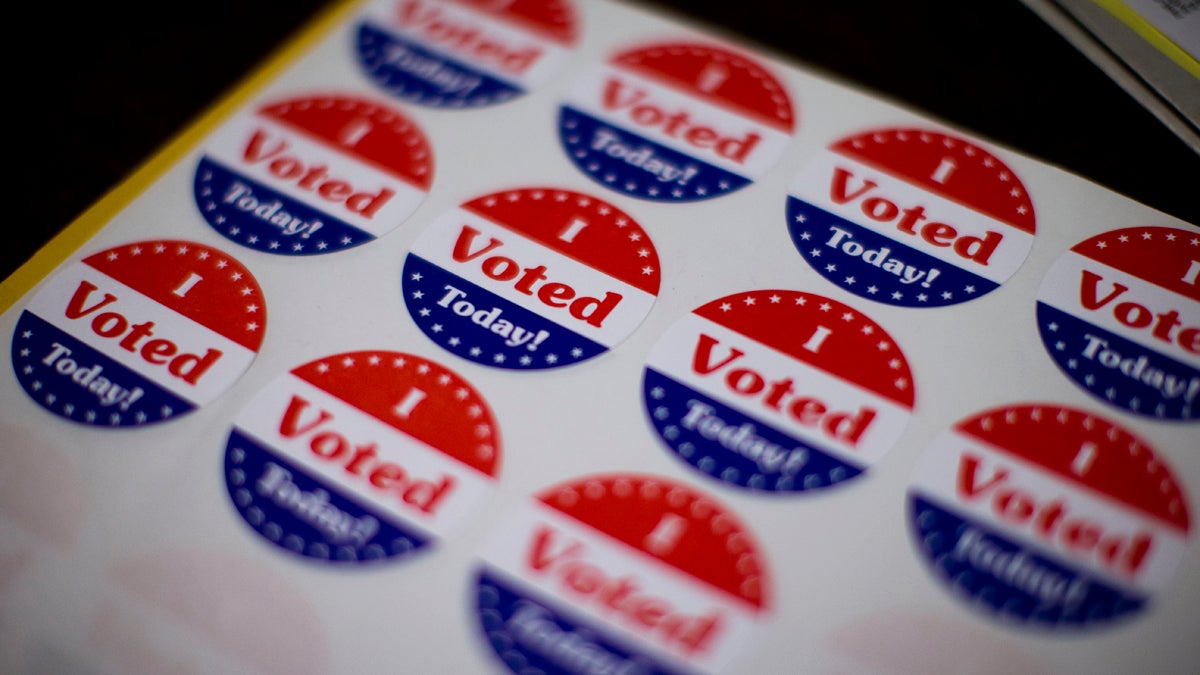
(547, 336)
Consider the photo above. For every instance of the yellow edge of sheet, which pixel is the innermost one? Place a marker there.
(100, 213)
(1150, 34)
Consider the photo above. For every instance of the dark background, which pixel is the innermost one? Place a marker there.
(97, 88)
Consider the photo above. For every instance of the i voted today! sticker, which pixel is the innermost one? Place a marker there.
(911, 217)
(778, 391)
(464, 53)
(621, 573)
(139, 333)
(362, 456)
(531, 278)
(1048, 516)
(676, 122)
(313, 175)
(1120, 315)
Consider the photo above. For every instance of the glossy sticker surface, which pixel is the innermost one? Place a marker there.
(362, 456)
(531, 278)
(620, 573)
(1120, 315)
(1048, 516)
(139, 333)
(911, 217)
(676, 122)
(313, 175)
(778, 391)
(464, 53)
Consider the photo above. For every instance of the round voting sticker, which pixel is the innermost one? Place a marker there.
(1120, 315)
(911, 217)
(620, 574)
(140, 333)
(362, 456)
(464, 53)
(313, 175)
(778, 391)
(676, 122)
(1048, 516)
(531, 278)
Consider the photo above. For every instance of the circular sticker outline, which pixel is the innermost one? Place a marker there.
(408, 67)
(101, 289)
(872, 230)
(341, 508)
(602, 160)
(1073, 446)
(761, 442)
(253, 188)
(745, 579)
(619, 254)
(1110, 342)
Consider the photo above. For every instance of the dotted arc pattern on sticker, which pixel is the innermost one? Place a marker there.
(739, 433)
(469, 292)
(1120, 316)
(458, 422)
(1131, 472)
(290, 500)
(720, 551)
(865, 215)
(658, 152)
(148, 267)
(86, 352)
(1086, 520)
(736, 81)
(981, 180)
(259, 187)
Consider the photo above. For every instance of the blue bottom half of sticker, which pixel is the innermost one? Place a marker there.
(249, 213)
(480, 326)
(530, 635)
(411, 72)
(1010, 580)
(873, 266)
(726, 445)
(636, 166)
(73, 380)
(1117, 370)
(298, 513)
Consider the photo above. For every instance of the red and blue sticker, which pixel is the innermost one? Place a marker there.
(464, 53)
(621, 573)
(139, 334)
(1048, 516)
(313, 175)
(911, 217)
(362, 456)
(778, 391)
(676, 122)
(1120, 315)
(531, 278)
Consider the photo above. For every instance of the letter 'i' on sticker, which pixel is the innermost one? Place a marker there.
(621, 573)
(455, 54)
(531, 278)
(361, 457)
(1120, 315)
(911, 217)
(1048, 516)
(313, 175)
(139, 334)
(676, 122)
(778, 391)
